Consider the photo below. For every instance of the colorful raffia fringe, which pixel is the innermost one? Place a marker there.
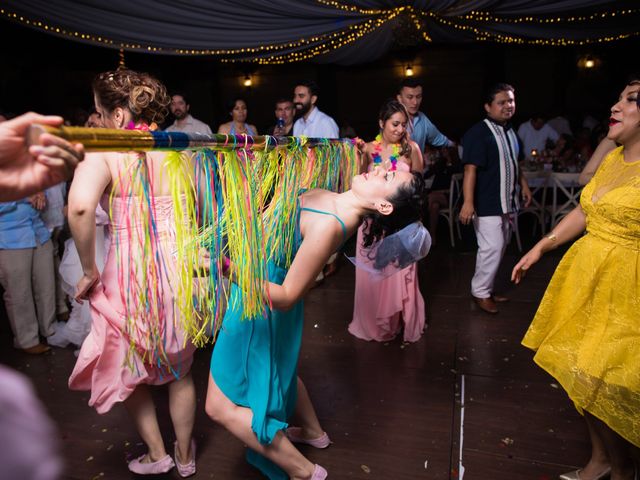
(232, 202)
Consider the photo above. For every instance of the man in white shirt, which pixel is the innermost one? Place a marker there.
(184, 122)
(313, 123)
(534, 135)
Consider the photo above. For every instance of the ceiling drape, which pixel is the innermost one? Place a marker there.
(343, 31)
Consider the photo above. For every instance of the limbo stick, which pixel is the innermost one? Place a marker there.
(104, 139)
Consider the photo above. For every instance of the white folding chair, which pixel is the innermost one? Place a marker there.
(538, 182)
(450, 213)
(567, 184)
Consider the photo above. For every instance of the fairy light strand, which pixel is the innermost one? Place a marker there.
(310, 47)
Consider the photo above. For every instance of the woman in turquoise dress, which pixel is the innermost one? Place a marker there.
(253, 387)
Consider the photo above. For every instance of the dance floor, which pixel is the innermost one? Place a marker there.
(466, 396)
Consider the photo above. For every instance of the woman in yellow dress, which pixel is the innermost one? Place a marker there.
(586, 332)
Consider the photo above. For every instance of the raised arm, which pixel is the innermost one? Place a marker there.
(25, 170)
(89, 182)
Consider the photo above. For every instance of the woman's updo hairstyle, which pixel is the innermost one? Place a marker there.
(390, 108)
(140, 93)
(407, 208)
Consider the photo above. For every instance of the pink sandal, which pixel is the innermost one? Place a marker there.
(185, 469)
(294, 434)
(152, 468)
(319, 473)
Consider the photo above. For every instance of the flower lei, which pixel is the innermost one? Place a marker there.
(377, 149)
(141, 126)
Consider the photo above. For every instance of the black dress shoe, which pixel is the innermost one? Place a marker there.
(486, 304)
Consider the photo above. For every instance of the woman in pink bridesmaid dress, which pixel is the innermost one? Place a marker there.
(383, 307)
(136, 338)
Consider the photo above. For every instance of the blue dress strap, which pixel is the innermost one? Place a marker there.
(322, 212)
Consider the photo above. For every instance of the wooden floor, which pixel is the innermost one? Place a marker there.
(393, 411)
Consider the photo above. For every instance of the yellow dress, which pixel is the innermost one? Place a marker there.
(587, 328)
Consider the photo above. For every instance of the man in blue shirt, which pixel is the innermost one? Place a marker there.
(423, 130)
(27, 275)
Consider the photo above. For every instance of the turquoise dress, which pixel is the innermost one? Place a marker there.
(254, 362)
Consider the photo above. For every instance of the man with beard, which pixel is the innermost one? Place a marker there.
(315, 124)
(490, 156)
(423, 131)
(184, 122)
(312, 122)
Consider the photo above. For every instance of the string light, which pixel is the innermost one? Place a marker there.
(487, 17)
(408, 72)
(121, 64)
(308, 48)
(247, 81)
(481, 35)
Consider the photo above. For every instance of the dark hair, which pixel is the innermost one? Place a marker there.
(634, 79)
(390, 108)
(140, 93)
(496, 88)
(407, 208)
(283, 100)
(231, 104)
(311, 85)
(568, 142)
(409, 82)
(181, 94)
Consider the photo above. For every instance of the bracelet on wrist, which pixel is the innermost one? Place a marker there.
(552, 237)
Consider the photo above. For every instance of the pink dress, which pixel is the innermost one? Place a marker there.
(381, 308)
(116, 357)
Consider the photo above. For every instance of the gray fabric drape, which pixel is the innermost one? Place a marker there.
(225, 27)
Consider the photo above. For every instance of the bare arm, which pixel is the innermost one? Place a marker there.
(90, 180)
(365, 156)
(417, 161)
(468, 190)
(569, 227)
(224, 129)
(316, 248)
(589, 170)
(525, 191)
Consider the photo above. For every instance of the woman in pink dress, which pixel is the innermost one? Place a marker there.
(383, 307)
(135, 340)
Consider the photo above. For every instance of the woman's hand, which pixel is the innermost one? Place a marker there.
(85, 286)
(525, 263)
(203, 263)
(38, 201)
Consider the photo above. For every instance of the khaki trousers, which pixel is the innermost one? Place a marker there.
(28, 279)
